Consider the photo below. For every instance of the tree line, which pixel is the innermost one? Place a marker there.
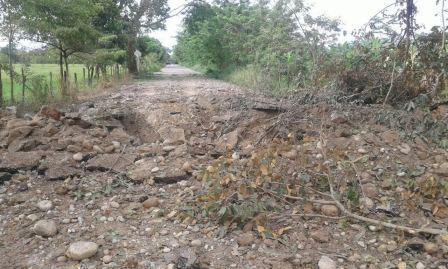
(93, 32)
(281, 47)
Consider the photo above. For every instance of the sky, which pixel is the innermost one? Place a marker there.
(352, 13)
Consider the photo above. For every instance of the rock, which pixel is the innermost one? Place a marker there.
(97, 149)
(228, 141)
(114, 204)
(78, 157)
(61, 259)
(171, 176)
(370, 190)
(4, 177)
(61, 172)
(18, 133)
(45, 228)
(337, 118)
(172, 135)
(187, 166)
(442, 170)
(109, 149)
(330, 210)
(404, 148)
(73, 148)
(292, 154)
(81, 250)
(431, 248)
(116, 162)
(11, 162)
(155, 170)
(49, 112)
(390, 137)
(107, 259)
(419, 265)
(116, 144)
(320, 236)
(32, 217)
(151, 202)
(168, 148)
(326, 262)
(366, 203)
(402, 265)
(45, 205)
(196, 243)
(415, 244)
(24, 145)
(245, 239)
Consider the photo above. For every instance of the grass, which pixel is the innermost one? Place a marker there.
(43, 70)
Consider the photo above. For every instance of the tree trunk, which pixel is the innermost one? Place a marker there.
(11, 68)
(66, 74)
(132, 64)
(1, 87)
(61, 71)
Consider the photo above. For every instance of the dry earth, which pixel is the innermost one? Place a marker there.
(131, 175)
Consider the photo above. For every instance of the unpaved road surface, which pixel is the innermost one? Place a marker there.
(126, 173)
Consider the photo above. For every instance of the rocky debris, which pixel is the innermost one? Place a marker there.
(116, 162)
(4, 177)
(431, 248)
(13, 161)
(59, 166)
(370, 190)
(170, 177)
(24, 145)
(245, 239)
(46, 228)
(196, 243)
(151, 202)
(78, 156)
(337, 118)
(49, 112)
(321, 236)
(330, 210)
(266, 106)
(45, 205)
(326, 262)
(81, 250)
(172, 135)
(442, 170)
(228, 141)
(107, 259)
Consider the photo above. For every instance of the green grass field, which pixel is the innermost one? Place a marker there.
(44, 70)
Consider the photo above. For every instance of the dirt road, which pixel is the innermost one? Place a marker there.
(141, 177)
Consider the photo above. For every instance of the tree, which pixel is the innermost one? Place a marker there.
(10, 11)
(138, 17)
(64, 25)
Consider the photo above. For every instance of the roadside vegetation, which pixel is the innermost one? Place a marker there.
(280, 48)
(84, 45)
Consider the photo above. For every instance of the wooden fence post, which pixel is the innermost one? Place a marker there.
(76, 81)
(84, 75)
(1, 87)
(51, 84)
(23, 85)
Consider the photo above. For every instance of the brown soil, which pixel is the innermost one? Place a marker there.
(134, 170)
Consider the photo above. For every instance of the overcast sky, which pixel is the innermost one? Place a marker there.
(352, 13)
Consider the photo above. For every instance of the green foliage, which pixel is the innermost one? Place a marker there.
(259, 42)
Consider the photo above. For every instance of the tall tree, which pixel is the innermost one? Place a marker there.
(10, 15)
(64, 25)
(138, 17)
